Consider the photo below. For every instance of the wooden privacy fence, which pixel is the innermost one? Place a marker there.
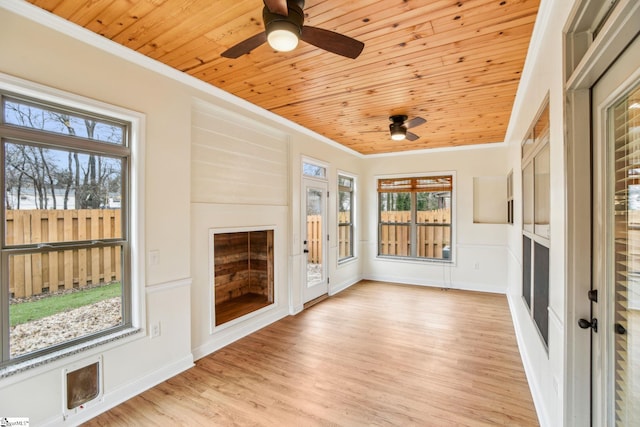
(314, 239)
(49, 271)
(433, 233)
(344, 235)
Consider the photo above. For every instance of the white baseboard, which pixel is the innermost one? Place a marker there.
(342, 286)
(113, 398)
(227, 336)
(463, 286)
(536, 393)
(295, 309)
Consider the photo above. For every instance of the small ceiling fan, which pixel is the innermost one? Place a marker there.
(283, 22)
(400, 124)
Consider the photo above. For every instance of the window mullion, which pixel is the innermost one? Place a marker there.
(414, 222)
(47, 140)
(4, 309)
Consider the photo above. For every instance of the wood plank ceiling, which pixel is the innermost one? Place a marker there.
(457, 63)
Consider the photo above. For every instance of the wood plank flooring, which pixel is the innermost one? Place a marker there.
(376, 354)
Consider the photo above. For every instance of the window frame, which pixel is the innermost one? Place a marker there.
(510, 218)
(535, 144)
(412, 224)
(352, 222)
(131, 241)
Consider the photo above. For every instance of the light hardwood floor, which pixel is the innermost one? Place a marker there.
(376, 354)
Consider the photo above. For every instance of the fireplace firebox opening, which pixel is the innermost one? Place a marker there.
(243, 273)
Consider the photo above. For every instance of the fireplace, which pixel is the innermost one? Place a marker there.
(243, 273)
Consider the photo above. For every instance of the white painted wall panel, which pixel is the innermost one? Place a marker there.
(236, 160)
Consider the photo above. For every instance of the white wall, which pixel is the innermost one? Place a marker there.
(479, 249)
(543, 75)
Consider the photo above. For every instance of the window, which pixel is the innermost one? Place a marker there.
(346, 188)
(535, 221)
(510, 198)
(415, 217)
(316, 171)
(65, 239)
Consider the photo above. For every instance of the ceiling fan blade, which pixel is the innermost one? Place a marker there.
(277, 6)
(332, 42)
(411, 136)
(416, 121)
(245, 46)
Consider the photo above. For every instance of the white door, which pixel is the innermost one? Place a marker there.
(315, 239)
(615, 322)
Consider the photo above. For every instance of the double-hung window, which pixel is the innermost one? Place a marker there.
(65, 236)
(346, 188)
(414, 217)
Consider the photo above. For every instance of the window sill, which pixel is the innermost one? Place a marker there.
(415, 260)
(35, 362)
(346, 261)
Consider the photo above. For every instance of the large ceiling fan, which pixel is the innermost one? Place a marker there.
(283, 22)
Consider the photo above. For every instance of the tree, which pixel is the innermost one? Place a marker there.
(49, 171)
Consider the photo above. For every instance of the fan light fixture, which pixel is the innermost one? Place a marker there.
(283, 36)
(284, 27)
(398, 131)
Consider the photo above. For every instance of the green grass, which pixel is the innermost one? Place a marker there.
(33, 310)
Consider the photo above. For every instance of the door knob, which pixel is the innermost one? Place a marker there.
(306, 251)
(585, 324)
(620, 330)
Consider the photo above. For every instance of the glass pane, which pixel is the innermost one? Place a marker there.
(541, 290)
(309, 169)
(395, 207)
(526, 270)
(527, 145)
(55, 195)
(345, 230)
(345, 241)
(541, 192)
(527, 197)
(345, 182)
(624, 295)
(395, 239)
(314, 236)
(541, 128)
(33, 116)
(344, 207)
(59, 296)
(434, 224)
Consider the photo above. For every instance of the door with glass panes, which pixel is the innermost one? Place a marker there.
(615, 295)
(315, 239)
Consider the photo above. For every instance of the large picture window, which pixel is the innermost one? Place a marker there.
(414, 218)
(346, 189)
(65, 243)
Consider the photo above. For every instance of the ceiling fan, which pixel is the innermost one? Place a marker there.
(283, 22)
(400, 124)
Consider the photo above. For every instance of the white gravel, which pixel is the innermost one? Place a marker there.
(64, 326)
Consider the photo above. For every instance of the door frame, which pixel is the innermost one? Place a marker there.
(615, 35)
(310, 182)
